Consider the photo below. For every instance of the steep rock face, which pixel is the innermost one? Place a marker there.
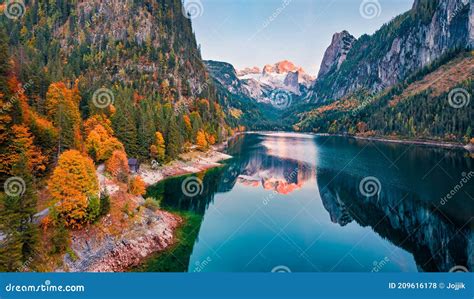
(337, 52)
(292, 81)
(409, 42)
(471, 26)
(226, 75)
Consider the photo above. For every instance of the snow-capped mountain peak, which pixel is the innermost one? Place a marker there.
(283, 75)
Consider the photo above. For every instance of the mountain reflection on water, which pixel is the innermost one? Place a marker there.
(294, 200)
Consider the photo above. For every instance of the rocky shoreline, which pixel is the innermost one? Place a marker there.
(96, 249)
(151, 233)
(445, 144)
(189, 163)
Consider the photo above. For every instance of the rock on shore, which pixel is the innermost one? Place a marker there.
(152, 232)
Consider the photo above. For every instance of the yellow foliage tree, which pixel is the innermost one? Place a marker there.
(100, 144)
(137, 186)
(201, 141)
(97, 119)
(117, 165)
(158, 149)
(22, 143)
(71, 186)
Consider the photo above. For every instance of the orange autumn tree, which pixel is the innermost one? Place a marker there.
(100, 144)
(188, 126)
(19, 96)
(97, 119)
(201, 141)
(158, 149)
(5, 124)
(211, 139)
(117, 165)
(22, 143)
(72, 185)
(137, 186)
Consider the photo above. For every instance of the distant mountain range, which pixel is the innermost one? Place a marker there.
(259, 84)
(362, 84)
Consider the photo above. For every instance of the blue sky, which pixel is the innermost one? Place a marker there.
(258, 32)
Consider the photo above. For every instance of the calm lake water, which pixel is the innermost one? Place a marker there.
(295, 202)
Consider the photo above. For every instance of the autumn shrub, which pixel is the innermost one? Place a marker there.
(152, 204)
(137, 186)
(117, 166)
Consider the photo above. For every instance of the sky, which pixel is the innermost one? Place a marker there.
(249, 33)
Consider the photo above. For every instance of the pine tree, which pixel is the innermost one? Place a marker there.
(4, 64)
(173, 136)
(16, 219)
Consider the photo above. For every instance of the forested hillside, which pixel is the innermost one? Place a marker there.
(84, 83)
(432, 104)
(411, 79)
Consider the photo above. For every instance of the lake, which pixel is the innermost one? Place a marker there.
(295, 202)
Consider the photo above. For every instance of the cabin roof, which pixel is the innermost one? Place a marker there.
(132, 161)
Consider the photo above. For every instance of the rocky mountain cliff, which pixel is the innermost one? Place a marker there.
(431, 29)
(336, 54)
